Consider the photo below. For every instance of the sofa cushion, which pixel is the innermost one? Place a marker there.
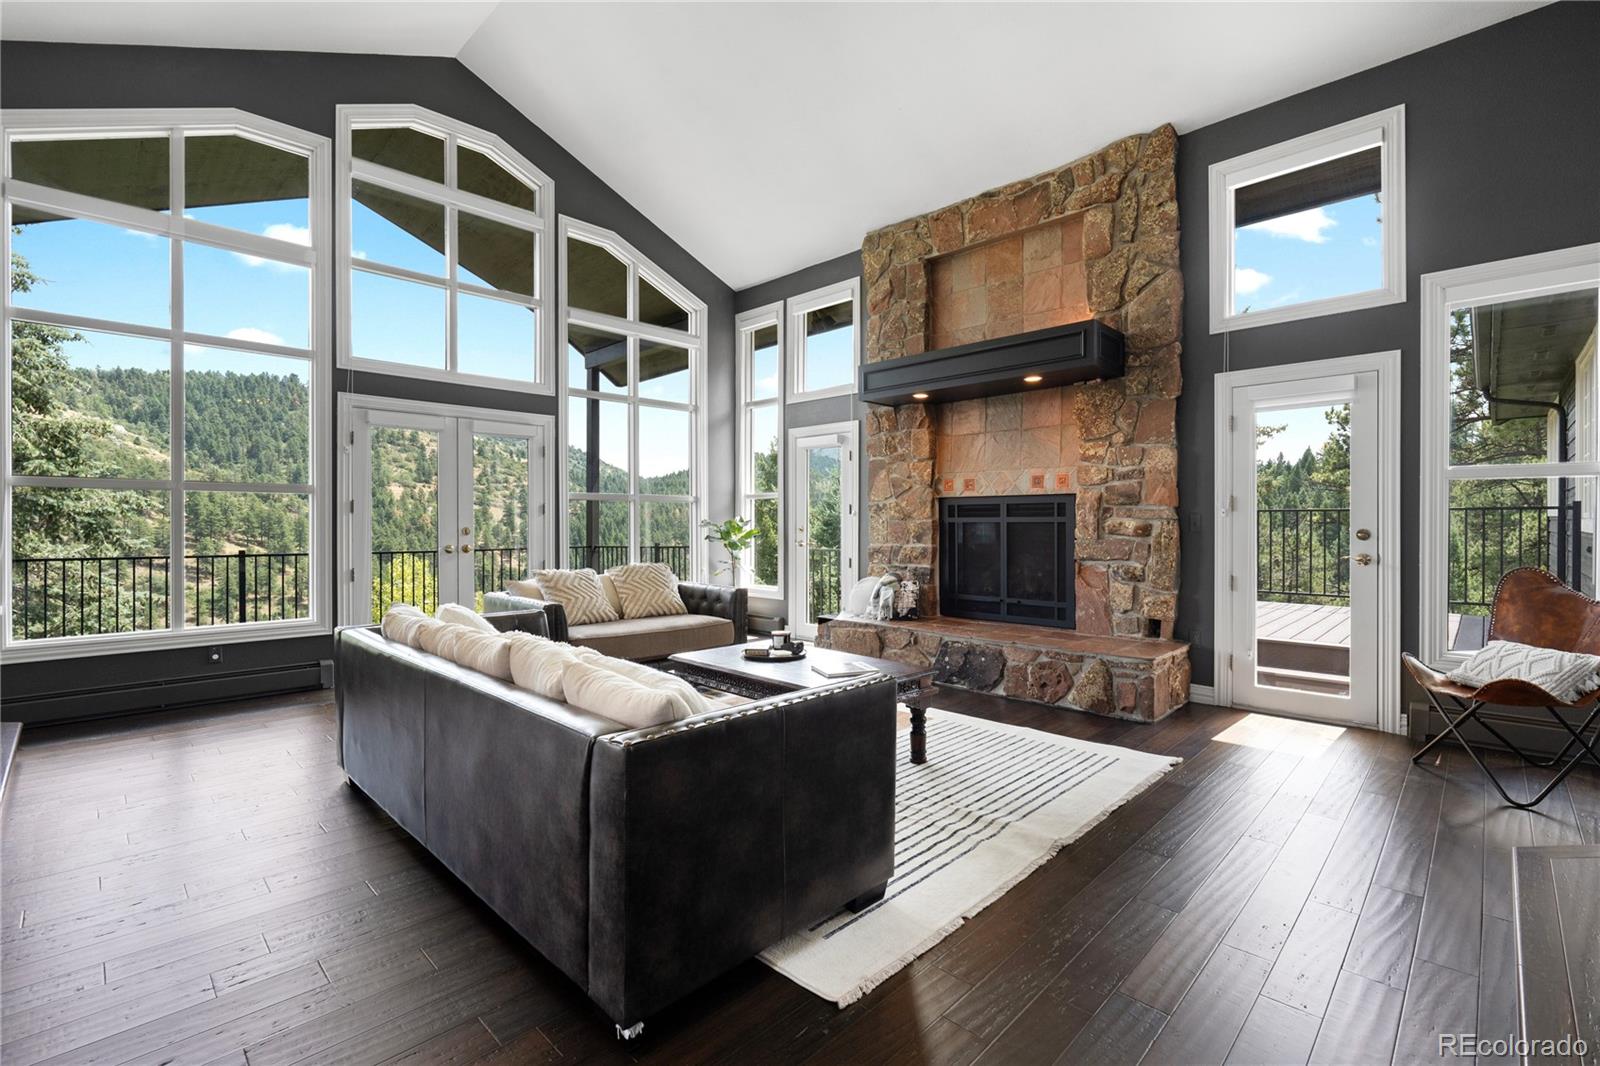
(487, 653)
(457, 614)
(683, 693)
(590, 686)
(528, 588)
(654, 638)
(439, 638)
(400, 622)
(538, 664)
(580, 594)
(648, 590)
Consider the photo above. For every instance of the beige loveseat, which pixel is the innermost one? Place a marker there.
(718, 615)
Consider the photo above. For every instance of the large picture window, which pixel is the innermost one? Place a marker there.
(1510, 459)
(1309, 227)
(760, 339)
(443, 235)
(633, 372)
(167, 335)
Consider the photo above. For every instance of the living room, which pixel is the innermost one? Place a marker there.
(794, 531)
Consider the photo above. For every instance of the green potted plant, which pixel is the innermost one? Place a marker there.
(735, 535)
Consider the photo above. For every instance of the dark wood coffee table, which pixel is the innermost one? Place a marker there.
(727, 670)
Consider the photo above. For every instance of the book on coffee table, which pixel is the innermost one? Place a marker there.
(849, 668)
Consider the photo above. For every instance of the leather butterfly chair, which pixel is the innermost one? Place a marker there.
(1530, 607)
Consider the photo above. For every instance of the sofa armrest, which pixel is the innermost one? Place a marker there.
(715, 837)
(555, 617)
(530, 620)
(719, 601)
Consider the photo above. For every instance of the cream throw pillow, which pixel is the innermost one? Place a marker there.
(686, 695)
(648, 590)
(400, 623)
(591, 687)
(487, 653)
(457, 614)
(538, 664)
(439, 638)
(580, 593)
(528, 590)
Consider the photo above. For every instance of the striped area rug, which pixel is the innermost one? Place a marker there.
(992, 804)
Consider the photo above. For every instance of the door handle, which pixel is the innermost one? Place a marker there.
(466, 549)
(1361, 559)
(449, 549)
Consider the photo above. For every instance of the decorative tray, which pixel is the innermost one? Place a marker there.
(768, 655)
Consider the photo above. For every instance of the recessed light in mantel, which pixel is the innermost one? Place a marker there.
(1033, 379)
(919, 396)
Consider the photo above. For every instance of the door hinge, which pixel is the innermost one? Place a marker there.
(1233, 504)
(543, 451)
(541, 508)
(352, 507)
(1230, 660)
(352, 573)
(1233, 583)
(352, 436)
(1233, 423)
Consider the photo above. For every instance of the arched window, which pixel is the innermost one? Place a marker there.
(634, 378)
(168, 325)
(444, 242)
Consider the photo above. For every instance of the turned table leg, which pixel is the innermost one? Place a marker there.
(916, 703)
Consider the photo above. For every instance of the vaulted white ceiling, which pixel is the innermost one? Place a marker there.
(764, 137)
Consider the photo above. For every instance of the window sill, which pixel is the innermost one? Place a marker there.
(1333, 305)
(53, 648)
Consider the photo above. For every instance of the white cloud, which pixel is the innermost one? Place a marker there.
(1301, 226)
(1370, 242)
(1247, 280)
(250, 333)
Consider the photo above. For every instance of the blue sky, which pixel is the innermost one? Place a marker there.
(1327, 251)
(830, 357)
(103, 271)
(1304, 427)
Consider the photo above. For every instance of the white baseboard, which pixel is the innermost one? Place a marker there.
(1202, 694)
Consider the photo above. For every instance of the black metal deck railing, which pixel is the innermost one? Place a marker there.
(824, 571)
(63, 596)
(1301, 551)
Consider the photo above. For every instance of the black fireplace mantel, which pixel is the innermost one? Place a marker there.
(1060, 355)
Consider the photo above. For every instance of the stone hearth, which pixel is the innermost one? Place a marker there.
(1122, 677)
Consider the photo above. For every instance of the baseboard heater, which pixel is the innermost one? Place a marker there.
(110, 701)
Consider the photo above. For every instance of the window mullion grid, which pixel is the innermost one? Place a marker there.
(176, 499)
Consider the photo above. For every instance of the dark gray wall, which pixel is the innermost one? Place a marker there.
(810, 412)
(1502, 159)
(302, 89)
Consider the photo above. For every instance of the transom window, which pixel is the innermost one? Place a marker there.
(760, 338)
(444, 236)
(167, 326)
(824, 343)
(1310, 227)
(1511, 402)
(635, 343)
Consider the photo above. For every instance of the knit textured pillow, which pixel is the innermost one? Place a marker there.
(579, 593)
(648, 590)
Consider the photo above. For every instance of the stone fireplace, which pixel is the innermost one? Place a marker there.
(1097, 238)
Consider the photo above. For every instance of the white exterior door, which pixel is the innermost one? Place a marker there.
(1305, 543)
(443, 505)
(823, 531)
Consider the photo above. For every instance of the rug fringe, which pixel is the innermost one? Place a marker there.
(867, 984)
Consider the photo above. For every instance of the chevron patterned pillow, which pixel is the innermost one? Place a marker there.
(648, 590)
(1566, 675)
(580, 593)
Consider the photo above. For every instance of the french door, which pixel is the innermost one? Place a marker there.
(444, 505)
(822, 488)
(1309, 544)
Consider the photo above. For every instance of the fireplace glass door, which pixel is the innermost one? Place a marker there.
(1008, 558)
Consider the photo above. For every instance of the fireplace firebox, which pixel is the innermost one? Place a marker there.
(1008, 558)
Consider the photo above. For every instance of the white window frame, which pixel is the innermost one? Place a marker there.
(1383, 128)
(1442, 293)
(453, 200)
(176, 124)
(795, 353)
(745, 327)
(694, 339)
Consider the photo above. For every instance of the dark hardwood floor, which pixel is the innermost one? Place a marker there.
(203, 888)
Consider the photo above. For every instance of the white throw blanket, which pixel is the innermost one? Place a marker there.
(1566, 675)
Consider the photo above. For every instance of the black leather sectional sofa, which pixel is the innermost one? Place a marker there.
(643, 863)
